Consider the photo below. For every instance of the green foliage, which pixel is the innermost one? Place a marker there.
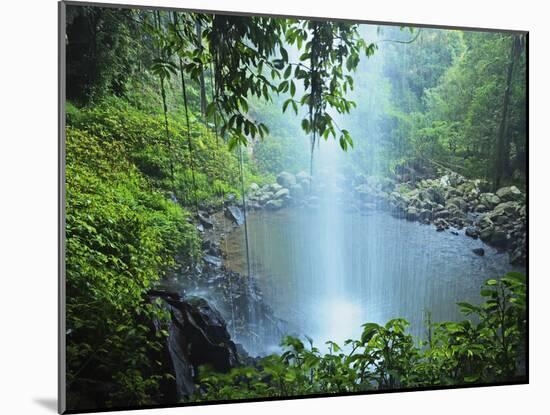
(457, 120)
(121, 237)
(275, 154)
(486, 348)
(93, 69)
(330, 54)
(143, 141)
(444, 105)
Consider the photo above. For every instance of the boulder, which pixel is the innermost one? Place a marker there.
(498, 217)
(274, 204)
(304, 179)
(456, 179)
(197, 336)
(367, 193)
(457, 222)
(452, 192)
(376, 182)
(205, 220)
(282, 194)
(468, 188)
(509, 208)
(252, 198)
(286, 179)
(275, 187)
(254, 187)
(509, 193)
(498, 238)
(212, 248)
(396, 197)
(489, 199)
(235, 214)
(451, 179)
(486, 233)
(425, 215)
(434, 194)
(441, 224)
(426, 204)
(472, 232)
(264, 197)
(460, 204)
(485, 222)
(479, 251)
(386, 184)
(481, 208)
(213, 261)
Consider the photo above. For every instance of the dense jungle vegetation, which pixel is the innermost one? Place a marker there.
(168, 113)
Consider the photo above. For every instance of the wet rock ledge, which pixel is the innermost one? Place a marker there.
(197, 335)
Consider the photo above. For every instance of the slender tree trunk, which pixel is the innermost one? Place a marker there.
(198, 30)
(188, 126)
(189, 143)
(212, 89)
(165, 111)
(503, 142)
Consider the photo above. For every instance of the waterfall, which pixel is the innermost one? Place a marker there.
(326, 264)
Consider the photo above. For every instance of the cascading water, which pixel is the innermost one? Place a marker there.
(327, 271)
(326, 267)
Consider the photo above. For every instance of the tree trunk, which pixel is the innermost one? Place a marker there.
(165, 110)
(503, 142)
(188, 125)
(198, 30)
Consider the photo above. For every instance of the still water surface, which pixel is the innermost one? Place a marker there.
(328, 272)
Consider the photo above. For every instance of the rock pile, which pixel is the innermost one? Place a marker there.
(448, 201)
(451, 201)
(289, 189)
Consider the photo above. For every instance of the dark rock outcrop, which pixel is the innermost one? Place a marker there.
(197, 336)
(205, 220)
(235, 214)
(213, 261)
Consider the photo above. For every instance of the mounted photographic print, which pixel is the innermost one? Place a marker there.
(259, 207)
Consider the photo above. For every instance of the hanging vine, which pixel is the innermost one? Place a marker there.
(162, 67)
(181, 51)
(329, 48)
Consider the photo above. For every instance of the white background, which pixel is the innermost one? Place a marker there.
(28, 204)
